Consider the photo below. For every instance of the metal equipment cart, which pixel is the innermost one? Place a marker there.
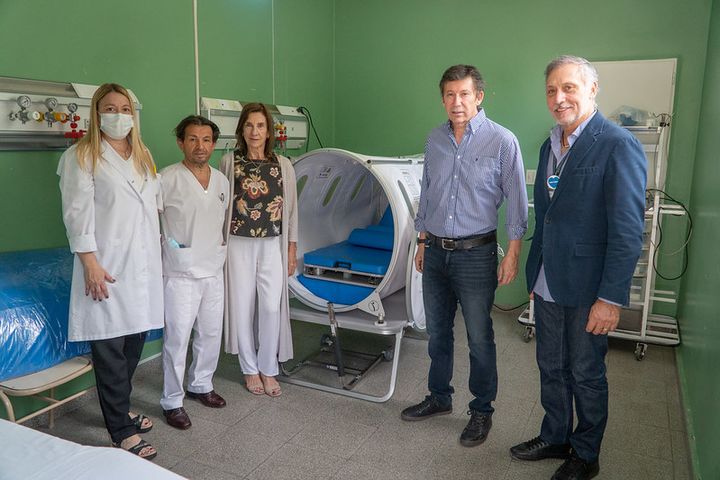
(637, 320)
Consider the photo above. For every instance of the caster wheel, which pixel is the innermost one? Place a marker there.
(640, 350)
(388, 355)
(326, 340)
(528, 334)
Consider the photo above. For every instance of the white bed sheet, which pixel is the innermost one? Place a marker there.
(27, 454)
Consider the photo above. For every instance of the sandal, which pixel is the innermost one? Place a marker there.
(138, 448)
(270, 389)
(254, 385)
(139, 421)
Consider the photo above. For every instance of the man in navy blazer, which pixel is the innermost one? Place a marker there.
(589, 212)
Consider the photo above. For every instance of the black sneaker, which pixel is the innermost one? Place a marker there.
(429, 407)
(477, 429)
(575, 468)
(539, 449)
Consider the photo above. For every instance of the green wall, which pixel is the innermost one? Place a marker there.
(305, 63)
(148, 47)
(390, 56)
(699, 355)
(138, 45)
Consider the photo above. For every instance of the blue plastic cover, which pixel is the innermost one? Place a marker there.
(351, 257)
(339, 293)
(34, 302)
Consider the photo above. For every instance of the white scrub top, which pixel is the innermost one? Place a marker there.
(113, 214)
(192, 222)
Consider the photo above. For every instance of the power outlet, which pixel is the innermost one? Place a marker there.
(530, 177)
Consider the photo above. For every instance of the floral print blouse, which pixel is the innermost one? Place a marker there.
(258, 202)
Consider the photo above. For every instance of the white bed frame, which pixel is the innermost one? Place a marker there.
(36, 384)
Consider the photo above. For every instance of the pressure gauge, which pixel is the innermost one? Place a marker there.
(24, 101)
(51, 103)
(72, 107)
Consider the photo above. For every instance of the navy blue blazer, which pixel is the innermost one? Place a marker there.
(589, 236)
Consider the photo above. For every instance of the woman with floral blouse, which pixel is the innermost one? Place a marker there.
(261, 234)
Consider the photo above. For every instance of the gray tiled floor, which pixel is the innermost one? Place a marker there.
(307, 434)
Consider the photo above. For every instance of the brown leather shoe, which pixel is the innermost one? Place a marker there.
(178, 418)
(210, 399)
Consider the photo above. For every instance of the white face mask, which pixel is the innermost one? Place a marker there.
(116, 125)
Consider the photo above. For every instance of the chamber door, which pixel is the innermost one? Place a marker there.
(413, 293)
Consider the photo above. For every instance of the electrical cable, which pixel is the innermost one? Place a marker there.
(307, 115)
(684, 247)
(511, 308)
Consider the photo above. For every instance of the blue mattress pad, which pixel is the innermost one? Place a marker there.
(335, 292)
(351, 257)
(374, 236)
(367, 250)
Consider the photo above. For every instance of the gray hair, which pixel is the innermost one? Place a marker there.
(587, 71)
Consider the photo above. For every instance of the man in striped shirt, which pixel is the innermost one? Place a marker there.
(471, 165)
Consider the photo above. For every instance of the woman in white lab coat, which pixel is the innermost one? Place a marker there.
(110, 196)
(261, 231)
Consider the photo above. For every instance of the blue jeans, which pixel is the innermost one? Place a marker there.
(468, 276)
(572, 368)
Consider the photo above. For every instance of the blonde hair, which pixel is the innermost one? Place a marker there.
(89, 147)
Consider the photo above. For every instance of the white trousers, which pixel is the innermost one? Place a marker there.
(255, 278)
(191, 304)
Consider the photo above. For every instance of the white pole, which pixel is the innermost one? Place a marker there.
(197, 59)
(272, 20)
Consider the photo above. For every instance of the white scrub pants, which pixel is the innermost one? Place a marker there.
(191, 304)
(255, 274)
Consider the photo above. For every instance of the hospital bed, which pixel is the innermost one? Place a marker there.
(35, 355)
(29, 454)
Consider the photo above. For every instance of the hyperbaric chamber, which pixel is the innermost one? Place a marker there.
(356, 239)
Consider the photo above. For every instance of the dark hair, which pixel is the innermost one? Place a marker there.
(461, 72)
(246, 111)
(198, 120)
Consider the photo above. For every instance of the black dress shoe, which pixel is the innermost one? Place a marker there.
(178, 418)
(210, 399)
(539, 449)
(430, 407)
(575, 468)
(477, 429)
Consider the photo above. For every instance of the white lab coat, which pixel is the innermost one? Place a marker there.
(110, 213)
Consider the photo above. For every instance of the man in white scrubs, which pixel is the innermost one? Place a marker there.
(195, 197)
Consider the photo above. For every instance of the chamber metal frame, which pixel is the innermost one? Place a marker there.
(394, 324)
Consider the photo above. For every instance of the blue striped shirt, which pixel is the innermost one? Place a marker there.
(464, 185)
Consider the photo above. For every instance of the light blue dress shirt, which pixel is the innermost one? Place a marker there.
(464, 185)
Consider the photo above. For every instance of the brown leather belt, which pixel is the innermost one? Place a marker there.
(460, 243)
